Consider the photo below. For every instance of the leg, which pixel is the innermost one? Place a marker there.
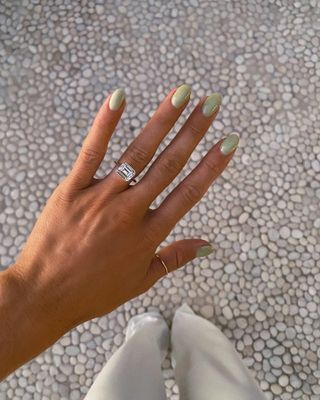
(206, 365)
(134, 371)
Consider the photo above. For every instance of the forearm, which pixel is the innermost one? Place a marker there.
(28, 323)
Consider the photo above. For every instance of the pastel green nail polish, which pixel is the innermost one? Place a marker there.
(116, 99)
(181, 95)
(229, 144)
(211, 104)
(204, 251)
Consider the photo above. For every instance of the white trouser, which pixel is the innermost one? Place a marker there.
(206, 365)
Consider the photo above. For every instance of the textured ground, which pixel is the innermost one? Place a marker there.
(59, 59)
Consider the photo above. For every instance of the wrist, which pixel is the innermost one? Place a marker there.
(29, 319)
(46, 299)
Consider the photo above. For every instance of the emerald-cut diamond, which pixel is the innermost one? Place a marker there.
(126, 171)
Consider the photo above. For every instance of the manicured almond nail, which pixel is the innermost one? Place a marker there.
(116, 99)
(211, 104)
(181, 95)
(229, 144)
(204, 251)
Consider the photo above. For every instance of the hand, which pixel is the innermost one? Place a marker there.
(93, 246)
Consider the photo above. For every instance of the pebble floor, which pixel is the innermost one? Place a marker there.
(61, 58)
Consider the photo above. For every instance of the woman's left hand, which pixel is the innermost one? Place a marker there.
(93, 246)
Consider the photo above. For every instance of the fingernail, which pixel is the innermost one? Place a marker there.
(181, 95)
(116, 99)
(229, 144)
(211, 104)
(204, 251)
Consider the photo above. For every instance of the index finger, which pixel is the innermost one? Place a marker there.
(191, 189)
(96, 142)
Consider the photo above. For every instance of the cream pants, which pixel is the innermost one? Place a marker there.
(206, 365)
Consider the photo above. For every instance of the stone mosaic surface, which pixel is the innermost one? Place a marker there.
(61, 58)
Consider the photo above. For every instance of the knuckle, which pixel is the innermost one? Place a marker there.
(64, 193)
(65, 197)
(178, 258)
(151, 235)
(123, 217)
(191, 193)
(212, 165)
(90, 155)
(171, 164)
(195, 130)
(139, 155)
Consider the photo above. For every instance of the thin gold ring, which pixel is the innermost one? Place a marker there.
(162, 262)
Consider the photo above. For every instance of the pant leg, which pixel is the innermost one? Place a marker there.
(207, 367)
(133, 371)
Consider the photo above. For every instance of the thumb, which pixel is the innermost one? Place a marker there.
(176, 255)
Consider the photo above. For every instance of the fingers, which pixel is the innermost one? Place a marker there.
(175, 256)
(171, 161)
(192, 188)
(95, 144)
(142, 149)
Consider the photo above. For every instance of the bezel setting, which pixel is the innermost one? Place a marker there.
(126, 171)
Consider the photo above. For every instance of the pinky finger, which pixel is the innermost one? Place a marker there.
(96, 142)
(174, 256)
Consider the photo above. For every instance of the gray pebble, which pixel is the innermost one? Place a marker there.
(207, 311)
(275, 361)
(72, 350)
(227, 313)
(260, 315)
(285, 232)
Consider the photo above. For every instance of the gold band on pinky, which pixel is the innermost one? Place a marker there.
(162, 262)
